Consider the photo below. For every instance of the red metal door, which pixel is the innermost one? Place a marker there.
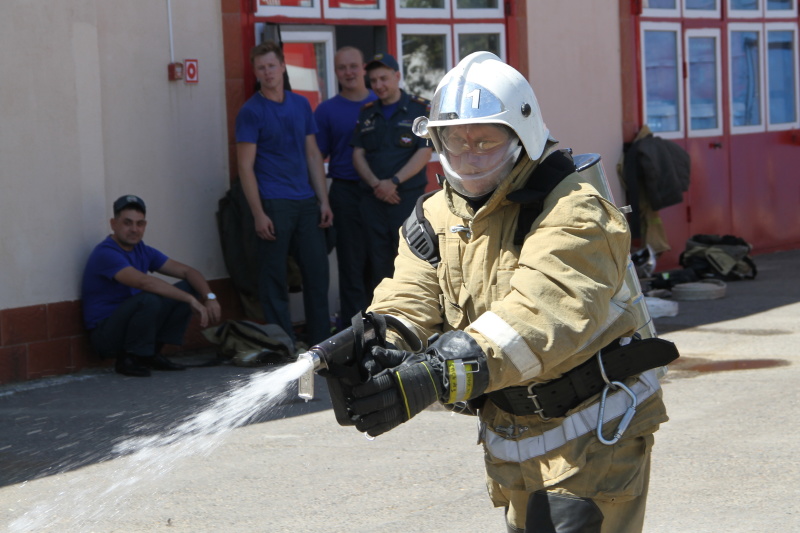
(738, 102)
(766, 189)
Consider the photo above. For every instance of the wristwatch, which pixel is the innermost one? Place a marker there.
(211, 296)
(395, 180)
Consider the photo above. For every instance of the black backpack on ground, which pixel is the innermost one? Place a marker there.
(722, 257)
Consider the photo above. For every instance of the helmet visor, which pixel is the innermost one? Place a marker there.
(477, 157)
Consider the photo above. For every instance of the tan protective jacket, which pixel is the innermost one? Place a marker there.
(537, 311)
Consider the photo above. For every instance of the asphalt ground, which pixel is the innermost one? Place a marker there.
(100, 452)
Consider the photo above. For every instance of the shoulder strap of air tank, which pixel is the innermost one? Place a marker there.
(542, 181)
(419, 235)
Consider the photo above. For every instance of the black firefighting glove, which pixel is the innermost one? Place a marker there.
(400, 384)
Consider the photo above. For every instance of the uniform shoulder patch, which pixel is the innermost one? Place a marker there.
(424, 102)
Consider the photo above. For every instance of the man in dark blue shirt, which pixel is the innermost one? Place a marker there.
(283, 179)
(391, 161)
(336, 119)
(130, 314)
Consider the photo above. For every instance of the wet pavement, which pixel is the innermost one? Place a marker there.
(726, 461)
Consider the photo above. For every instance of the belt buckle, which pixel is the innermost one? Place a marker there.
(535, 399)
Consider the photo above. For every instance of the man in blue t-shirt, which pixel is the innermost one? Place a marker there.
(283, 179)
(130, 314)
(336, 119)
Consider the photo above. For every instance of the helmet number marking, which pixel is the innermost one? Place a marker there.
(476, 97)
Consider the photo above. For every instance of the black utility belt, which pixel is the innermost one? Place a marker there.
(555, 398)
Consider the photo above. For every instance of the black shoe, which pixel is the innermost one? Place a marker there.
(126, 365)
(159, 362)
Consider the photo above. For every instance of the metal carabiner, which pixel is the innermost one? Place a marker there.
(626, 418)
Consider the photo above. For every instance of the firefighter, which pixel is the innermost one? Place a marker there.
(507, 319)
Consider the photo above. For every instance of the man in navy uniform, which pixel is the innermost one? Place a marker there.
(391, 161)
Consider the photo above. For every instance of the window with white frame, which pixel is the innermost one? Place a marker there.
(746, 77)
(424, 54)
(704, 83)
(701, 8)
(662, 87)
(762, 85)
(480, 37)
(439, 9)
(761, 8)
(427, 51)
(467, 9)
(781, 8)
(782, 87)
(661, 8)
(309, 63)
(711, 8)
(745, 8)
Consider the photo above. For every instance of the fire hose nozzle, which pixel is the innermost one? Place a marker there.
(305, 384)
(338, 350)
(344, 350)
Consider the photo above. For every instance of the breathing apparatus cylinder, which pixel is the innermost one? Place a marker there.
(591, 169)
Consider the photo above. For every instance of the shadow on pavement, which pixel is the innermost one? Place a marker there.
(776, 285)
(59, 424)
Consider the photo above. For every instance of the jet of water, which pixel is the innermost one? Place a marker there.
(148, 458)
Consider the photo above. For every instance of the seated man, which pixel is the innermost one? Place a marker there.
(130, 314)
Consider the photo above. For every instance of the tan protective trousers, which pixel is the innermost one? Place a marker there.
(618, 517)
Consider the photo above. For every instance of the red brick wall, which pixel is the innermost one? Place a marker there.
(236, 69)
(49, 339)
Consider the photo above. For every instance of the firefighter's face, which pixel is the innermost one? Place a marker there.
(477, 157)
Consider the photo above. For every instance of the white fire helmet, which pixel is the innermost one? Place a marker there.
(482, 90)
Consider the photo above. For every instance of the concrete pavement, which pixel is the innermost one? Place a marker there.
(725, 461)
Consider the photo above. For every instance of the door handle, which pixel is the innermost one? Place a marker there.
(715, 146)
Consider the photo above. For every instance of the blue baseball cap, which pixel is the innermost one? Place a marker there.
(383, 60)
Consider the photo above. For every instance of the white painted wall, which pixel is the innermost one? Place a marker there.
(574, 68)
(87, 114)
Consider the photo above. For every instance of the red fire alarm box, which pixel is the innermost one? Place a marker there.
(191, 70)
(175, 71)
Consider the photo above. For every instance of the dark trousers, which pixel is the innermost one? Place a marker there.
(351, 249)
(382, 223)
(141, 323)
(298, 232)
